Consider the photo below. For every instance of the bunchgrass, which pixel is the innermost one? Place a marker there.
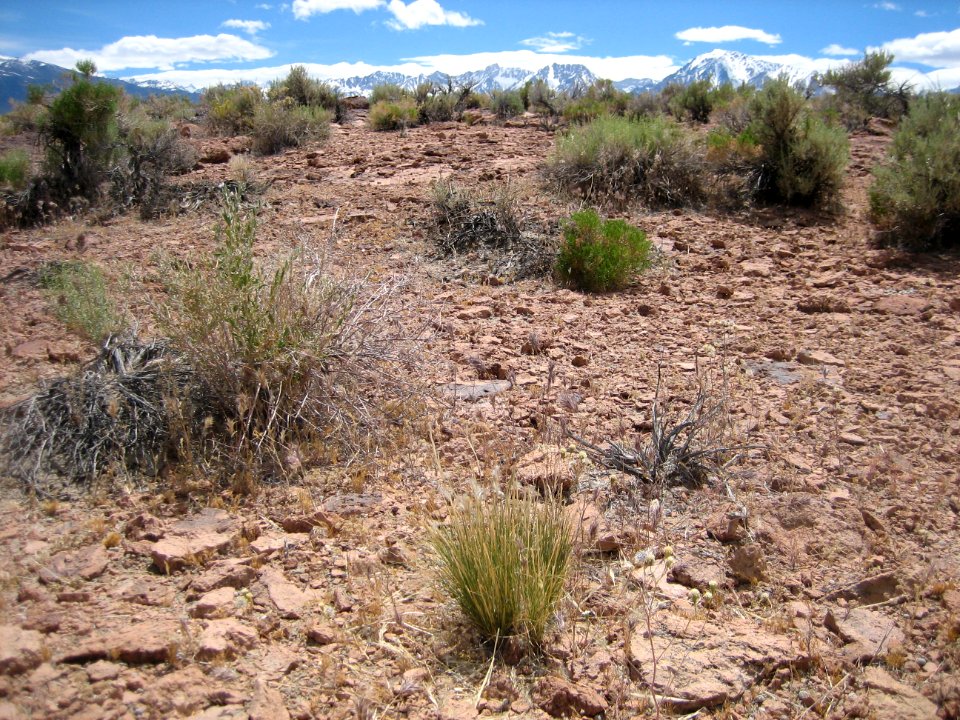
(78, 294)
(600, 255)
(14, 169)
(505, 561)
(394, 114)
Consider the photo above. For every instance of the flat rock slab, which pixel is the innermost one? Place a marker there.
(145, 642)
(231, 572)
(289, 599)
(194, 540)
(866, 634)
(86, 563)
(476, 390)
(225, 639)
(702, 664)
(560, 698)
(20, 650)
(890, 698)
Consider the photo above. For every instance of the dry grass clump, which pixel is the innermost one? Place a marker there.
(505, 561)
(111, 415)
(297, 365)
(613, 160)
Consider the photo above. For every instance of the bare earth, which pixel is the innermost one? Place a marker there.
(834, 541)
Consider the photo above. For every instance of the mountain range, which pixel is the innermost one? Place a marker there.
(717, 66)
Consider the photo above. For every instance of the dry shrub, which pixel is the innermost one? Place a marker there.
(297, 365)
(277, 126)
(613, 160)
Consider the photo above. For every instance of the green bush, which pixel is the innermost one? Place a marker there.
(78, 294)
(694, 102)
(505, 563)
(915, 197)
(299, 88)
(394, 115)
(79, 132)
(803, 159)
(864, 90)
(506, 104)
(615, 160)
(231, 110)
(14, 169)
(585, 109)
(277, 126)
(600, 255)
(388, 91)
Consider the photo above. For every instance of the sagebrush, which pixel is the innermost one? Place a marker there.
(600, 255)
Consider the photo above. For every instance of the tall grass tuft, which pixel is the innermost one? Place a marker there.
(505, 561)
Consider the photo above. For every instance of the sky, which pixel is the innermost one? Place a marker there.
(202, 42)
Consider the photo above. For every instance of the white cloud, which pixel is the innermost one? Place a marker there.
(727, 33)
(556, 42)
(251, 27)
(302, 9)
(839, 50)
(414, 15)
(263, 6)
(936, 49)
(656, 67)
(922, 13)
(150, 51)
(891, 6)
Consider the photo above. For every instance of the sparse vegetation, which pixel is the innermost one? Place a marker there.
(231, 110)
(505, 562)
(600, 255)
(277, 126)
(299, 89)
(78, 294)
(915, 198)
(615, 161)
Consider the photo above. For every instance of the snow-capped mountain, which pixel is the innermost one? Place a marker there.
(17, 75)
(727, 66)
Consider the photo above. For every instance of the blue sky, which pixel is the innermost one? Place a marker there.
(199, 42)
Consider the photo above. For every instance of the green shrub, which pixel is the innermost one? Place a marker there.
(438, 107)
(915, 197)
(279, 126)
(14, 169)
(291, 360)
(299, 88)
(506, 104)
(544, 101)
(803, 159)
(78, 294)
(600, 255)
(79, 132)
(388, 91)
(505, 563)
(694, 102)
(615, 160)
(585, 109)
(231, 110)
(394, 115)
(864, 90)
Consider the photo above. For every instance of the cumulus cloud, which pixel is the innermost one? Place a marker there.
(936, 49)
(414, 15)
(727, 33)
(839, 50)
(251, 27)
(556, 42)
(302, 9)
(150, 51)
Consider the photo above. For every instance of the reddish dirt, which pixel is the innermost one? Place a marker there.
(833, 540)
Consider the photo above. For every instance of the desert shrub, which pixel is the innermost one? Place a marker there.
(79, 133)
(645, 104)
(735, 115)
(173, 108)
(802, 158)
(585, 109)
(390, 92)
(78, 294)
(506, 104)
(735, 161)
(150, 150)
(231, 109)
(296, 365)
(394, 115)
(615, 160)
(14, 169)
(438, 107)
(694, 102)
(864, 90)
(505, 562)
(544, 101)
(599, 255)
(465, 219)
(24, 117)
(299, 88)
(277, 126)
(915, 197)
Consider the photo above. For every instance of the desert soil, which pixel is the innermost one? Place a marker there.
(832, 539)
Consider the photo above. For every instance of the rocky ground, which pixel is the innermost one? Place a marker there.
(831, 546)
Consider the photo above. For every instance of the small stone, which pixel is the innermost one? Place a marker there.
(103, 670)
(225, 639)
(266, 703)
(561, 698)
(216, 603)
(289, 599)
(867, 634)
(748, 564)
(323, 635)
(20, 650)
(87, 563)
(903, 305)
